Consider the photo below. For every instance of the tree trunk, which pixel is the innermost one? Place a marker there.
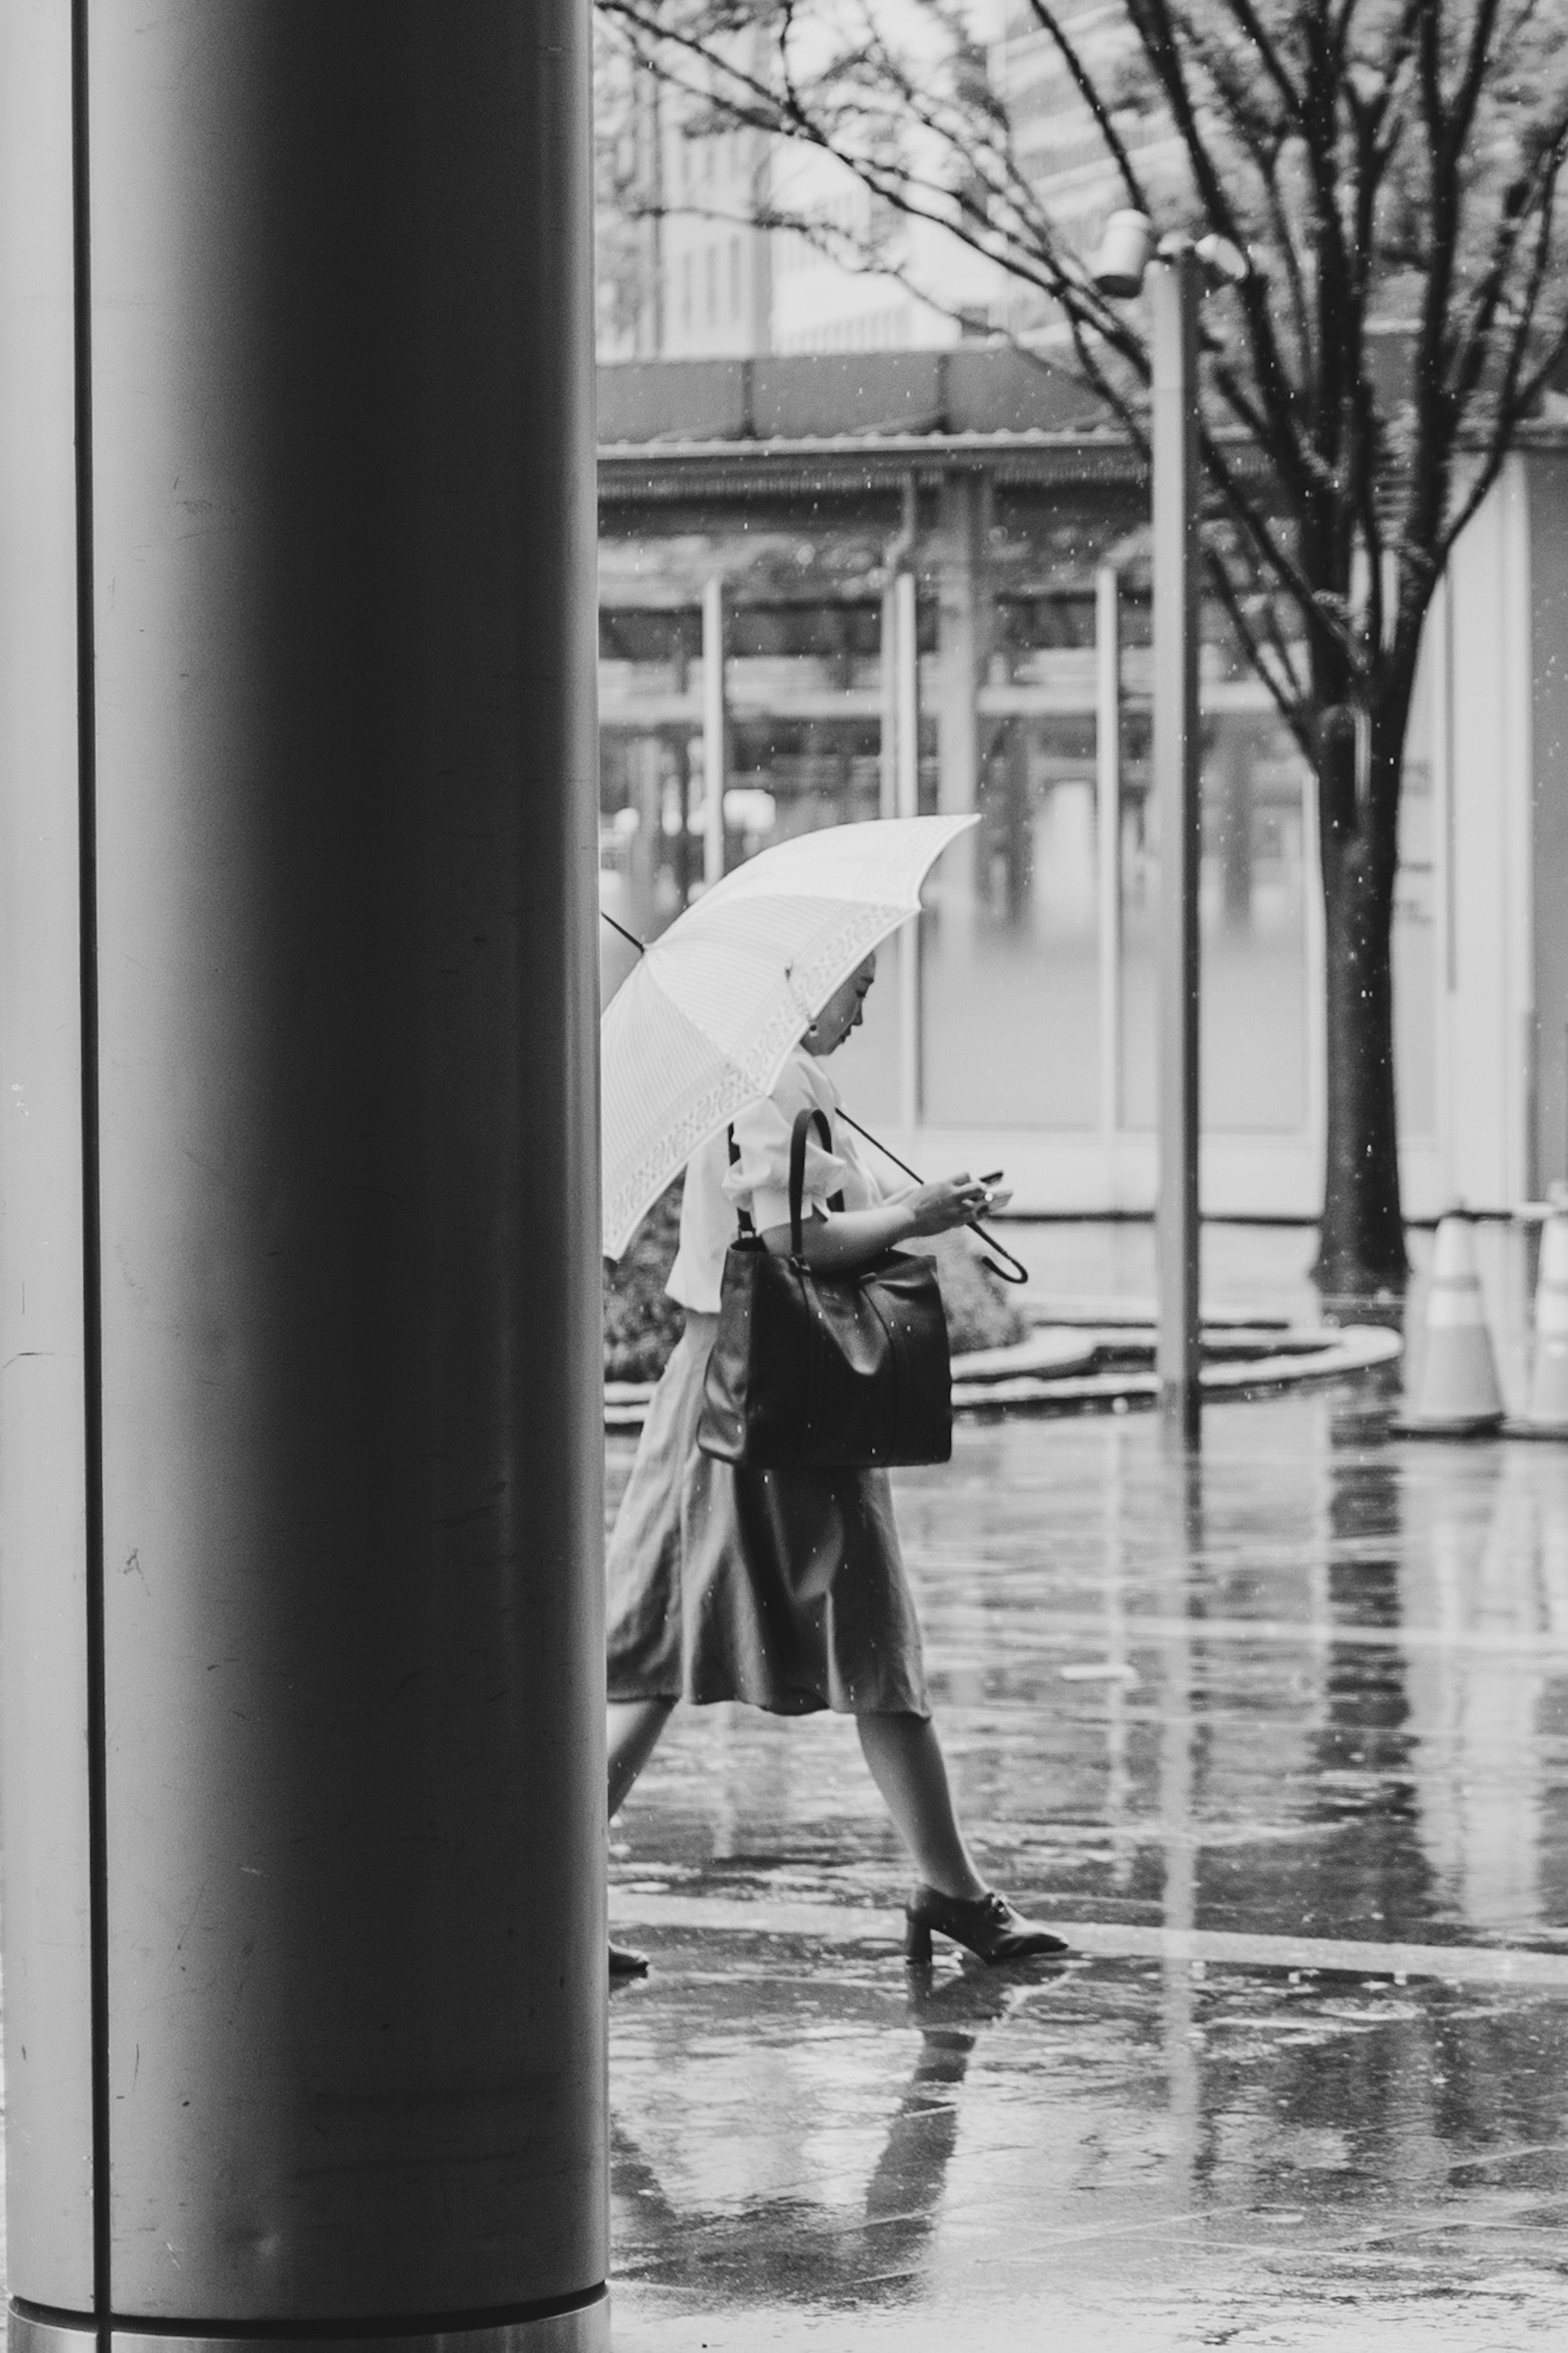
(1361, 1250)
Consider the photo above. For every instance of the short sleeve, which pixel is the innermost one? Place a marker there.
(759, 1179)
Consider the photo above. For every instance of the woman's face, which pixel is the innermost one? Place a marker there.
(842, 1011)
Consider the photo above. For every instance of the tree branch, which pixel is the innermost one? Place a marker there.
(1050, 24)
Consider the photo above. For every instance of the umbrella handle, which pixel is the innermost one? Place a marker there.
(1020, 1273)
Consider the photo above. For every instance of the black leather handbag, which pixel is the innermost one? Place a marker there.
(815, 1371)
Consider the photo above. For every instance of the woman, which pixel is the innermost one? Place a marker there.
(786, 1588)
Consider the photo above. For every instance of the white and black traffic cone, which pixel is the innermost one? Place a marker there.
(1547, 1414)
(1459, 1395)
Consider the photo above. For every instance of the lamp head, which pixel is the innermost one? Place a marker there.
(1125, 252)
(1223, 264)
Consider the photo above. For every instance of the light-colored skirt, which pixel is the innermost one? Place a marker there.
(785, 1588)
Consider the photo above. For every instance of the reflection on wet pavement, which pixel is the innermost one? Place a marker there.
(1313, 1684)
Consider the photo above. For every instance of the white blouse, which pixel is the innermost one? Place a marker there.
(759, 1180)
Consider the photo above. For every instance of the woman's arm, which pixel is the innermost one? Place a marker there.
(853, 1237)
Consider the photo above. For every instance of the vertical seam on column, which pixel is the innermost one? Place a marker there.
(92, 1252)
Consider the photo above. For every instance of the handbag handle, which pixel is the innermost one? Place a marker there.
(798, 1133)
(742, 1215)
(797, 1178)
(802, 1123)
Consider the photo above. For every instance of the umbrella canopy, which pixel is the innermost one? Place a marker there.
(704, 1022)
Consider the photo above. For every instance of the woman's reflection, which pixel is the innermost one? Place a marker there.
(799, 2249)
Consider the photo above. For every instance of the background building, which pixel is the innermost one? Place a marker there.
(1058, 146)
(821, 306)
(754, 516)
(684, 272)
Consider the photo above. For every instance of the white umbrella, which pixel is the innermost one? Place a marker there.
(704, 1022)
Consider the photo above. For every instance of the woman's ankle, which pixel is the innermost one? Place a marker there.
(966, 1887)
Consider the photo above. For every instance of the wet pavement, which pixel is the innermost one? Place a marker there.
(1281, 1731)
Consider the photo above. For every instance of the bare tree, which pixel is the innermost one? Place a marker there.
(1390, 165)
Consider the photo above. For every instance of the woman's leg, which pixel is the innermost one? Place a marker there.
(634, 1727)
(908, 1767)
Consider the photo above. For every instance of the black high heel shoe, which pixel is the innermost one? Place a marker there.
(625, 1963)
(986, 1924)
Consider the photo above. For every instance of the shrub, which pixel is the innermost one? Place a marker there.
(981, 1310)
(642, 1323)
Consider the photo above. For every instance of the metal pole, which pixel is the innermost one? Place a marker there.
(1174, 287)
(1441, 634)
(900, 554)
(960, 636)
(888, 738)
(1108, 801)
(907, 803)
(300, 1515)
(715, 732)
(1178, 1795)
(654, 294)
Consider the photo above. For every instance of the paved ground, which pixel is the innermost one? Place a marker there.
(1283, 1731)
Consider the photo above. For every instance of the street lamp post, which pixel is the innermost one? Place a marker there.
(1174, 294)
(1176, 273)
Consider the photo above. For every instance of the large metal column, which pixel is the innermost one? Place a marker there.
(300, 1449)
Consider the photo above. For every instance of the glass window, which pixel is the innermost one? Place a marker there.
(1011, 1007)
(1252, 922)
(1010, 945)
(650, 776)
(790, 776)
(650, 840)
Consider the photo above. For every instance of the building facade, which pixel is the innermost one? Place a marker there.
(1059, 148)
(685, 270)
(846, 585)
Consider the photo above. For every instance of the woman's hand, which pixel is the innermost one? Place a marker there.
(853, 1237)
(952, 1201)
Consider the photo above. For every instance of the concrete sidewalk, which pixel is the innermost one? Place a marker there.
(1284, 1728)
